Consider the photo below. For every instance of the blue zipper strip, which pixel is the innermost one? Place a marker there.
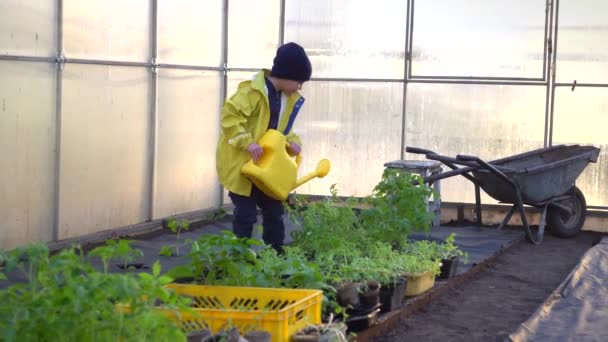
(294, 113)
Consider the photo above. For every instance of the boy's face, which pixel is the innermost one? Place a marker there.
(289, 87)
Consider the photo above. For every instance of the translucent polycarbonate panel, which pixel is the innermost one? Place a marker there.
(253, 43)
(105, 148)
(27, 146)
(582, 46)
(357, 126)
(488, 121)
(28, 28)
(107, 29)
(581, 117)
(478, 38)
(187, 133)
(350, 38)
(236, 77)
(190, 32)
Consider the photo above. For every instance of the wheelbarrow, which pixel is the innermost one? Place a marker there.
(542, 178)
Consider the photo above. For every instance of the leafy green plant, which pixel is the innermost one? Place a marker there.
(120, 250)
(216, 257)
(176, 226)
(448, 250)
(66, 299)
(397, 207)
(290, 270)
(330, 230)
(218, 214)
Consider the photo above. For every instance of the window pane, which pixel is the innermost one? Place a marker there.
(357, 126)
(28, 28)
(582, 43)
(27, 146)
(581, 117)
(107, 29)
(350, 38)
(190, 32)
(484, 120)
(105, 148)
(236, 77)
(187, 133)
(252, 44)
(478, 38)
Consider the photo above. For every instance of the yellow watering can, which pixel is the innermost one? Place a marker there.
(276, 172)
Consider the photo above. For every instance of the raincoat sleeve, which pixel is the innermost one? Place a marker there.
(235, 113)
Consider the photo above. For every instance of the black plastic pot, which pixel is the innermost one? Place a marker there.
(392, 295)
(361, 322)
(369, 295)
(448, 268)
(348, 294)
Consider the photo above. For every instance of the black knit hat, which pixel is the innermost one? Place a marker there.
(291, 63)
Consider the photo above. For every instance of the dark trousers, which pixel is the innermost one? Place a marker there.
(245, 216)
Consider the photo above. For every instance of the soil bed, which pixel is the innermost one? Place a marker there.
(496, 301)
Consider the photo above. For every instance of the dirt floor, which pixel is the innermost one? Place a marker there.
(495, 302)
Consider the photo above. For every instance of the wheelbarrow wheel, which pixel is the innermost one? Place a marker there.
(567, 225)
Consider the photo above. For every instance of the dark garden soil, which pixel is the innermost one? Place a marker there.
(496, 301)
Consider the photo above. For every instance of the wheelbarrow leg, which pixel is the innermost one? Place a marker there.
(538, 239)
(543, 222)
(508, 217)
(478, 203)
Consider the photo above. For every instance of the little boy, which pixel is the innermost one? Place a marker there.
(268, 101)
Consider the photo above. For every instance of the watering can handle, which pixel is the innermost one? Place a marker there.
(298, 156)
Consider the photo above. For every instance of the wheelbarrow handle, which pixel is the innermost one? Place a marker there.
(487, 166)
(465, 157)
(418, 150)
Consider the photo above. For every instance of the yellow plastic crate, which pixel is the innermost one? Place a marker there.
(281, 312)
(419, 283)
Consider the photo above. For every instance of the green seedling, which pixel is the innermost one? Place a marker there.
(175, 226)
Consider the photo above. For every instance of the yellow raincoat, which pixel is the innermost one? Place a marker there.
(245, 118)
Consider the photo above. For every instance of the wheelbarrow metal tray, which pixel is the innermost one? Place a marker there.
(542, 174)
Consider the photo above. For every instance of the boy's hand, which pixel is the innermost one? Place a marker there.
(294, 148)
(256, 151)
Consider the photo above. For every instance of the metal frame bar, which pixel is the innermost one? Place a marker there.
(478, 82)
(153, 162)
(582, 85)
(242, 69)
(406, 66)
(58, 122)
(410, 34)
(224, 82)
(547, 69)
(552, 76)
(547, 39)
(282, 22)
(28, 58)
(346, 79)
(109, 63)
(487, 78)
(188, 67)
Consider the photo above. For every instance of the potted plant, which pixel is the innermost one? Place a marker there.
(450, 256)
(329, 332)
(397, 207)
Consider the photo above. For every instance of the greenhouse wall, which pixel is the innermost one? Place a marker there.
(109, 110)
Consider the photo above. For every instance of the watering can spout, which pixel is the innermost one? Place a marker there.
(321, 171)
